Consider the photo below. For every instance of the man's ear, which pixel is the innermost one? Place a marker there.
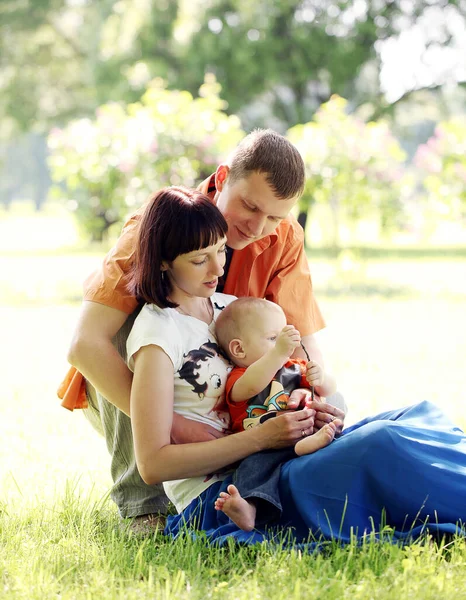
(221, 176)
(236, 349)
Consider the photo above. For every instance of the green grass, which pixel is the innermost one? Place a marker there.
(76, 549)
(396, 334)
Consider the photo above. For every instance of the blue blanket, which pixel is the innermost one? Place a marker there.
(401, 471)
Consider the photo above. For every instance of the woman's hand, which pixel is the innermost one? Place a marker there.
(286, 428)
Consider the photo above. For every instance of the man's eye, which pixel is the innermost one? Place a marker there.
(273, 338)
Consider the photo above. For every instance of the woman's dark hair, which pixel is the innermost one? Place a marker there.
(176, 221)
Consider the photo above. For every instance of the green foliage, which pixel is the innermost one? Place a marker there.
(353, 167)
(277, 60)
(287, 55)
(442, 163)
(113, 162)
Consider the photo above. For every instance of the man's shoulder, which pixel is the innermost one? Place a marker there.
(288, 234)
(290, 228)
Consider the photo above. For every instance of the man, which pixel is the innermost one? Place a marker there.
(255, 191)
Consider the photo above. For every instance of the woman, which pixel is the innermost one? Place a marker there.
(174, 354)
(404, 468)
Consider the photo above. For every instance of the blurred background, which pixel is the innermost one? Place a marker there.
(103, 102)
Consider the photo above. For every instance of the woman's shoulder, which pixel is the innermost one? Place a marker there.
(152, 311)
(151, 316)
(155, 326)
(153, 320)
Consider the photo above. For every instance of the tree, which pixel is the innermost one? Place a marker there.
(277, 60)
(353, 167)
(442, 163)
(112, 162)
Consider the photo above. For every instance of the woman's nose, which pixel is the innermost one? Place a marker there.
(218, 268)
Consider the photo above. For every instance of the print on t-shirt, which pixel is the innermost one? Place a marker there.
(206, 370)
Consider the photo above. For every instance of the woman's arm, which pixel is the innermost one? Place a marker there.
(151, 419)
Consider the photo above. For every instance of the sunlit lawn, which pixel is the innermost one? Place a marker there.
(396, 334)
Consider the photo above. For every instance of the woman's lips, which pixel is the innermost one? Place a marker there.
(211, 284)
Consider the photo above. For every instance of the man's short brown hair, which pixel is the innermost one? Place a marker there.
(266, 151)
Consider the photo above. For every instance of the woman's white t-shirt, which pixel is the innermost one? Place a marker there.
(199, 369)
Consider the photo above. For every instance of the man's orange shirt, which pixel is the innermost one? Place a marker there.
(274, 267)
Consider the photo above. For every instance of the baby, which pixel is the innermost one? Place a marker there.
(254, 334)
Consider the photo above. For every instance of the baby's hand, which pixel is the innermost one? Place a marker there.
(314, 373)
(287, 340)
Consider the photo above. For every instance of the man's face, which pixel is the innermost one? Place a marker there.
(250, 207)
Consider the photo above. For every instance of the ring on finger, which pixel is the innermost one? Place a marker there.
(303, 433)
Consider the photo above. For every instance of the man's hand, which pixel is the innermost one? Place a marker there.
(287, 340)
(299, 398)
(325, 413)
(314, 373)
(186, 431)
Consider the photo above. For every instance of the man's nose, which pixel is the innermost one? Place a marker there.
(256, 225)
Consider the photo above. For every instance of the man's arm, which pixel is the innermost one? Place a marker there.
(324, 412)
(312, 348)
(323, 382)
(94, 355)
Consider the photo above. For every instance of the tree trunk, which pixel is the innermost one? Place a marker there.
(302, 220)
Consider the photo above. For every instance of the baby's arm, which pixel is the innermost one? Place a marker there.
(258, 375)
(324, 383)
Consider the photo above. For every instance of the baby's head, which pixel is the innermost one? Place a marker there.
(248, 327)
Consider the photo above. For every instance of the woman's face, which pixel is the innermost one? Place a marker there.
(196, 273)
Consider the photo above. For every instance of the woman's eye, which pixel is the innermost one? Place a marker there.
(200, 263)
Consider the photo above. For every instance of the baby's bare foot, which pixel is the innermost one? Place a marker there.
(240, 511)
(318, 440)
